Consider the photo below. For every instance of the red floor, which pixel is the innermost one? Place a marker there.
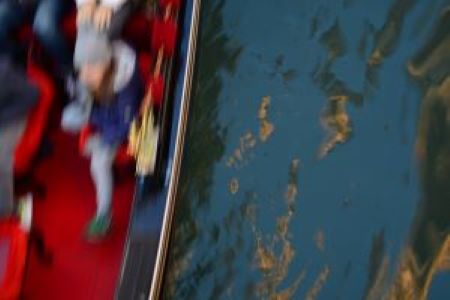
(80, 270)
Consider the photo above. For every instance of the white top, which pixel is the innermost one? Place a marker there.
(126, 63)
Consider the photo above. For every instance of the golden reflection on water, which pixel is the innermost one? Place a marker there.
(428, 249)
(248, 140)
(336, 122)
(334, 119)
(413, 280)
(318, 284)
(266, 128)
(435, 55)
(233, 186)
(240, 154)
(380, 281)
(274, 253)
(292, 188)
(440, 53)
(387, 37)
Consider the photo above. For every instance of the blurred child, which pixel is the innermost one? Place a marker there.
(110, 74)
(109, 17)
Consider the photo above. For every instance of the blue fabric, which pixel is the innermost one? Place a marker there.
(47, 24)
(46, 16)
(113, 121)
(17, 95)
(12, 16)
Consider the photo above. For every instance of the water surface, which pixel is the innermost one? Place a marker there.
(317, 161)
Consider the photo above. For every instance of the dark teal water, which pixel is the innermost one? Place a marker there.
(317, 161)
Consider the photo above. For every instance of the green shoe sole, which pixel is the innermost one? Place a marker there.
(98, 228)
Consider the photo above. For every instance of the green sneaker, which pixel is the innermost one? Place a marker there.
(98, 227)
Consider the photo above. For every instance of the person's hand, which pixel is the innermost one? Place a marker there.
(85, 13)
(102, 17)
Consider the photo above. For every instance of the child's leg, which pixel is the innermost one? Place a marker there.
(9, 138)
(102, 160)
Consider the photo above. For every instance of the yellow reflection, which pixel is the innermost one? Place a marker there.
(428, 250)
(233, 186)
(378, 285)
(274, 254)
(436, 53)
(334, 119)
(266, 128)
(440, 53)
(336, 122)
(413, 280)
(239, 157)
(387, 37)
(318, 284)
(248, 141)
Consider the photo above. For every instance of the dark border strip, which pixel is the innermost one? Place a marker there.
(176, 166)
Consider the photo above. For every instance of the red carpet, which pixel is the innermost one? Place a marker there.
(80, 270)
